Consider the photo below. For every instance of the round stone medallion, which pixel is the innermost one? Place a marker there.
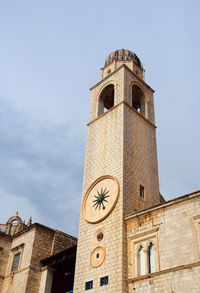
(97, 256)
(100, 199)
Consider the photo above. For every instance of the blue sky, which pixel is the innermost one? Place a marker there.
(50, 55)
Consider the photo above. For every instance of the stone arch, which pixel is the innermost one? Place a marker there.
(105, 85)
(106, 97)
(18, 227)
(139, 98)
(149, 242)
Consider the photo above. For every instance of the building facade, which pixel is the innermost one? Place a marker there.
(30, 258)
(129, 237)
(163, 247)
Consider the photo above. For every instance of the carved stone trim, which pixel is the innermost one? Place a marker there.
(145, 233)
(18, 247)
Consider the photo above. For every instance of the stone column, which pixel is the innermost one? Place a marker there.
(46, 280)
(146, 261)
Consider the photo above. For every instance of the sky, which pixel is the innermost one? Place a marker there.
(51, 53)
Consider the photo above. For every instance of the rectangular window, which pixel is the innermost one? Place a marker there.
(104, 281)
(141, 191)
(89, 285)
(15, 264)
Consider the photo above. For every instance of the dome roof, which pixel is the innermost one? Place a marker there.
(123, 54)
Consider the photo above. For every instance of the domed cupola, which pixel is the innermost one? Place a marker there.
(123, 55)
(119, 58)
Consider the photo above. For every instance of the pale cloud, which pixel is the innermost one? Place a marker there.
(41, 165)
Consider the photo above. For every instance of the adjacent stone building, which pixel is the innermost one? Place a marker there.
(30, 258)
(130, 239)
(163, 247)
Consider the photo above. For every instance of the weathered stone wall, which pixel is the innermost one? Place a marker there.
(140, 162)
(103, 157)
(17, 281)
(42, 246)
(174, 230)
(62, 241)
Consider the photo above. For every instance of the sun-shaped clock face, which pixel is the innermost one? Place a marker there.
(100, 199)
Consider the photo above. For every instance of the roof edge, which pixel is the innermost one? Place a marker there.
(165, 204)
(49, 259)
(35, 225)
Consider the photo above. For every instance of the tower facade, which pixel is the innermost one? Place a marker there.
(121, 171)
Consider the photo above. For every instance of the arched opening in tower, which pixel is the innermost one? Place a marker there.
(106, 100)
(138, 99)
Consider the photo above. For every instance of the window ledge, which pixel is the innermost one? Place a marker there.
(174, 269)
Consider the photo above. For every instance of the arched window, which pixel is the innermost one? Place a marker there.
(151, 258)
(106, 99)
(141, 261)
(138, 99)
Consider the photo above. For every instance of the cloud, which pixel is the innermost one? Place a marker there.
(41, 169)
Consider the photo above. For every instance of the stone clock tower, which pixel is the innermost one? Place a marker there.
(121, 172)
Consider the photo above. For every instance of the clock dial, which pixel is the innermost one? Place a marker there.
(100, 199)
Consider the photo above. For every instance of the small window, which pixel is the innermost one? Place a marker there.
(88, 285)
(104, 281)
(100, 236)
(141, 191)
(15, 264)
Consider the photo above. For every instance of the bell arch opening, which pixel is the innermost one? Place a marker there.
(138, 100)
(106, 99)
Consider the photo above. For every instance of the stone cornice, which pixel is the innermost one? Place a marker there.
(118, 69)
(139, 114)
(125, 103)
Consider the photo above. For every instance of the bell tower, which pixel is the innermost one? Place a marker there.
(121, 171)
